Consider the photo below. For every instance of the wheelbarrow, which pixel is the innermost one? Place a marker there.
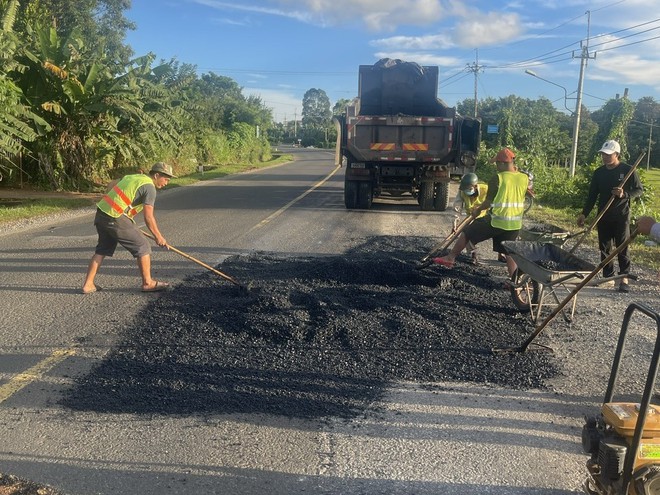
(553, 277)
(544, 271)
(550, 234)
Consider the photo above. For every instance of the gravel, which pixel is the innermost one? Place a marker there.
(314, 337)
(325, 336)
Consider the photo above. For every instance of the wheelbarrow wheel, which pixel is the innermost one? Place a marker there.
(523, 290)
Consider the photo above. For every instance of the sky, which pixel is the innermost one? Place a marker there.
(279, 49)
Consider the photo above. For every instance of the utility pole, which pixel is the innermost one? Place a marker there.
(648, 154)
(584, 57)
(295, 123)
(475, 68)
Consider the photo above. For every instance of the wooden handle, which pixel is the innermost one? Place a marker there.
(195, 260)
(449, 239)
(609, 203)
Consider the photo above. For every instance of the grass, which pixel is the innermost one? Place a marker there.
(652, 178)
(11, 211)
(33, 208)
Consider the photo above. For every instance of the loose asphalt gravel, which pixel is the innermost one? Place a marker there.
(314, 337)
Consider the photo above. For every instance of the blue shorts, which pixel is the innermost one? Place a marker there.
(122, 230)
(481, 229)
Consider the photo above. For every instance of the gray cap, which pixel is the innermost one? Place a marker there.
(162, 168)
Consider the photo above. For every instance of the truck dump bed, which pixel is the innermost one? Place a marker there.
(398, 138)
(397, 116)
(393, 87)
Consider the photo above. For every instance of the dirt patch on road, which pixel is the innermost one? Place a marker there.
(314, 337)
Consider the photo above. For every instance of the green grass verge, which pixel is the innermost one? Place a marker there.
(652, 178)
(11, 211)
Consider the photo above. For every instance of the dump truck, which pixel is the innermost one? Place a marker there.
(397, 138)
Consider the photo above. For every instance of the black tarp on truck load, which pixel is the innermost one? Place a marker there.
(392, 87)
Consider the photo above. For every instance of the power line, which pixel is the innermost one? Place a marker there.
(629, 44)
(627, 29)
(540, 58)
(625, 37)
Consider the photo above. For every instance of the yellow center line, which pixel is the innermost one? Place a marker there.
(37, 371)
(293, 201)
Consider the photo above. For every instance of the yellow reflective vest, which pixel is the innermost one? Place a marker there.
(117, 201)
(472, 202)
(509, 202)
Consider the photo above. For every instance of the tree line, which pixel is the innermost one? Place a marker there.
(76, 107)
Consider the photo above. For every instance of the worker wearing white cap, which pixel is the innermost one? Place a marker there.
(614, 226)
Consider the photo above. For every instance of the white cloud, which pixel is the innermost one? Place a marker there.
(426, 42)
(481, 30)
(284, 103)
(376, 15)
(625, 68)
(299, 15)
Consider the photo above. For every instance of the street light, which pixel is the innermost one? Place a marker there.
(532, 73)
(576, 115)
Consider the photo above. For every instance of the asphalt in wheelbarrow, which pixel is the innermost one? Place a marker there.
(316, 336)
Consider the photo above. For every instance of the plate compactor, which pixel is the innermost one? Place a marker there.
(624, 439)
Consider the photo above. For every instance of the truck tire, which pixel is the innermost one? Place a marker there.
(426, 196)
(351, 191)
(365, 195)
(441, 201)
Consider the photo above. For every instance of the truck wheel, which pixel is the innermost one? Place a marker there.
(351, 194)
(441, 201)
(426, 193)
(365, 195)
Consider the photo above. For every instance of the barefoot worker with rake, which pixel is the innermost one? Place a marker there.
(114, 223)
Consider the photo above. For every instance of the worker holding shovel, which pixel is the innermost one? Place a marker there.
(613, 198)
(471, 194)
(114, 223)
(505, 203)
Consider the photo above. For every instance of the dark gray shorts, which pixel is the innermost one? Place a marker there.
(481, 229)
(122, 230)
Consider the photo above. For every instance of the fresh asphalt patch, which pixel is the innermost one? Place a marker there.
(315, 336)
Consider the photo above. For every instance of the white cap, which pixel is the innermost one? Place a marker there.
(610, 147)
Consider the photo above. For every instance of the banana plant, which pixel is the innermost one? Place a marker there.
(97, 119)
(18, 123)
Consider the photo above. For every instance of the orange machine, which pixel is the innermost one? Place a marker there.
(624, 439)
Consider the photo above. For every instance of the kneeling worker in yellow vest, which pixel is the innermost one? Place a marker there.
(505, 205)
(114, 223)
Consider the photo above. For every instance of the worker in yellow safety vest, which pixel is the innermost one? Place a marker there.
(115, 224)
(504, 204)
(471, 193)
